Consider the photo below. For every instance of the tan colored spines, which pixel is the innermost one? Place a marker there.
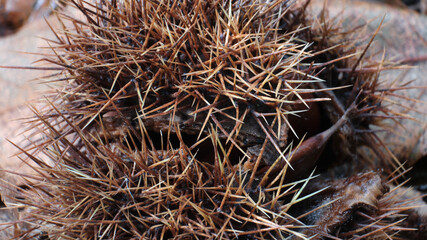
(115, 191)
(133, 84)
(191, 63)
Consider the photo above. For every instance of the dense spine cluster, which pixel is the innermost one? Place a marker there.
(177, 119)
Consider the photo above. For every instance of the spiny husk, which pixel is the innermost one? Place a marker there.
(224, 63)
(192, 63)
(159, 95)
(114, 191)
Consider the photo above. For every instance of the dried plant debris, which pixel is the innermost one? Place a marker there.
(206, 119)
(342, 198)
(364, 206)
(15, 13)
(416, 5)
